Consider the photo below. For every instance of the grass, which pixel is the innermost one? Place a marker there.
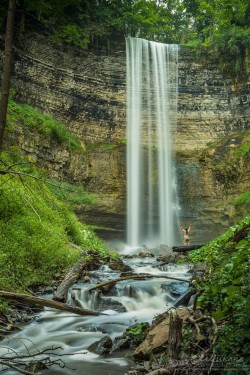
(40, 235)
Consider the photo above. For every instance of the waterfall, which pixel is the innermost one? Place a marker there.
(151, 123)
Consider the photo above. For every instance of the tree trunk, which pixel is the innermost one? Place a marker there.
(8, 54)
(25, 298)
(183, 249)
(70, 279)
(174, 341)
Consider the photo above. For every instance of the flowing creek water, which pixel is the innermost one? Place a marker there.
(127, 303)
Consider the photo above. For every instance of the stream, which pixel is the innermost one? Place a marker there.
(127, 303)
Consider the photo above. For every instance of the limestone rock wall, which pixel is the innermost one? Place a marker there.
(86, 91)
(210, 105)
(83, 89)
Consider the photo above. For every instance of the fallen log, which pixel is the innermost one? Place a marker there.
(71, 278)
(183, 249)
(25, 298)
(133, 277)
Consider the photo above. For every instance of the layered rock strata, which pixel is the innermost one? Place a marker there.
(86, 90)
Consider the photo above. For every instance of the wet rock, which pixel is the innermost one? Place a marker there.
(92, 328)
(198, 268)
(103, 346)
(103, 304)
(145, 254)
(128, 256)
(12, 328)
(48, 290)
(165, 249)
(118, 265)
(137, 371)
(131, 337)
(158, 335)
(185, 299)
(178, 289)
(166, 254)
(121, 343)
(86, 279)
(74, 301)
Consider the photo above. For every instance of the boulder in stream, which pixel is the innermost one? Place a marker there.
(118, 265)
(158, 335)
(102, 346)
(103, 304)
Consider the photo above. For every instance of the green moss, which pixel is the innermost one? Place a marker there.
(31, 120)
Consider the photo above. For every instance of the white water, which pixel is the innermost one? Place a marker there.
(142, 300)
(151, 122)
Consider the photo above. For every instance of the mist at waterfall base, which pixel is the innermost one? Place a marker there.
(152, 205)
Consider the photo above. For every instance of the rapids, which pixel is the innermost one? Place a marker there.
(140, 300)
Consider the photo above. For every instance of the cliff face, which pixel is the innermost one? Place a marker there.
(209, 182)
(86, 91)
(210, 105)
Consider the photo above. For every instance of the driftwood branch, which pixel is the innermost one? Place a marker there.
(27, 363)
(25, 298)
(133, 277)
(7, 363)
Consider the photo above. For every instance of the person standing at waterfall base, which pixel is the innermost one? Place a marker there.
(186, 231)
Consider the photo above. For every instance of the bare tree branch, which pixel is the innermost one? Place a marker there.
(133, 277)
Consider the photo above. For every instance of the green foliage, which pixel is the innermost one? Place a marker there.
(39, 235)
(75, 195)
(226, 287)
(222, 27)
(31, 120)
(243, 150)
(137, 332)
(71, 34)
(243, 199)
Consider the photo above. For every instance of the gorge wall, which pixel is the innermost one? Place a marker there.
(86, 91)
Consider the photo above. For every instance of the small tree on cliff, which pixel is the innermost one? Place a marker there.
(8, 54)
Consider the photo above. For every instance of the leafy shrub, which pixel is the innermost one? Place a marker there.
(71, 34)
(226, 287)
